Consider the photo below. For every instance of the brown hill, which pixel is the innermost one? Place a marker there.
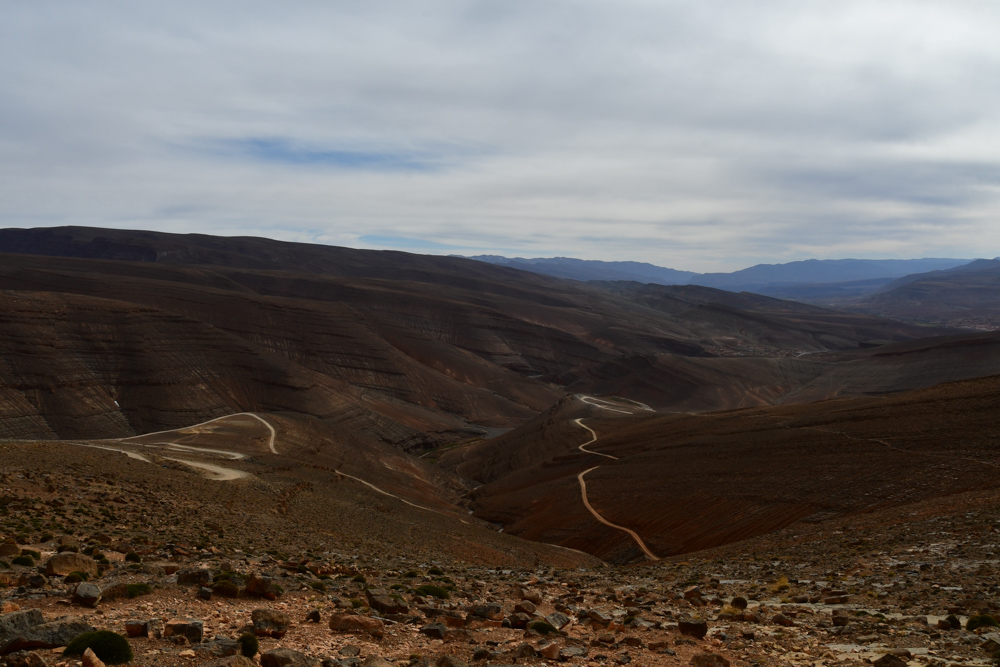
(964, 296)
(426, 348)
(687, 482)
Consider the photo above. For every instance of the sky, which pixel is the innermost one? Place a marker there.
(706, 136)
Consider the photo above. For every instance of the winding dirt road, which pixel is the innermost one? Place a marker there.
(583, 483)
(593, 439)
(634, 535)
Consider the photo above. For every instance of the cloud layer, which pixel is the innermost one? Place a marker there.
(701, 136)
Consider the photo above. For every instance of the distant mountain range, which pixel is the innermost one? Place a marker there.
(853, 276)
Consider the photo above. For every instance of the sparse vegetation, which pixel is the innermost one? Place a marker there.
(133, 557)
(249, 644)
(26, 561)
(979, 621)
(430, 590)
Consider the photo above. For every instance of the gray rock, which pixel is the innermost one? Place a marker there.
(87, 595)
(434, 630)
(270, 623)
(53, 634)
(377, 661)
(693, 627)
(286, 657)
(194, 576)
(192, 629)
(220, 647)
(558, 620)
(384, 603)
(262, 586)
(204, 593)
(16, 622)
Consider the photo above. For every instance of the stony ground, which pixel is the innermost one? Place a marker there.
(823, 594)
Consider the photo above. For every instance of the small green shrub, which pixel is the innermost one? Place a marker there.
(981, 620)
(397, 587)
(135, 590)
(109, 646)
(431, 590)
(955, 623)
(543, 628)
(46, 537)
(249, 645)
(75, 577)
(4, 564)
(356, 603)
(226, 589)
(412, 574)
(739, 602)
(435, 571)
(318, 586)
(133, 557)
(31, 552)
(27, 561)
(359, 579)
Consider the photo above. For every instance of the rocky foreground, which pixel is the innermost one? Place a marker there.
(905, 600)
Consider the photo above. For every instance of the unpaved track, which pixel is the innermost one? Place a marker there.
(583, 483)
(590, 508)
(393, 495)
(593, 439)
(270, 442)
(219, 473)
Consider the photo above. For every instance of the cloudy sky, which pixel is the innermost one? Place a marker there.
(697, 135)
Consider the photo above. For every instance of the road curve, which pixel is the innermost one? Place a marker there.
(593, 439)
(393, 495)
(590, 508)
(270, 442)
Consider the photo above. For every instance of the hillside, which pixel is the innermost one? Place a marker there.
(689, 482)
(416, 350)
(966, 296)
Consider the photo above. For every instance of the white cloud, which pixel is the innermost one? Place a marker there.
(702, 136)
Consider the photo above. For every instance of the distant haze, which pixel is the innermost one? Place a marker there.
(763, 278)
(706, 136)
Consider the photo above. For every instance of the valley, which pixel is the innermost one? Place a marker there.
(313, 414)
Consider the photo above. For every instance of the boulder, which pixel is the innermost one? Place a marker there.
(693, 627)
(53, 634)
(270, 623)
(192, 629)
(262, 586)
(62, 564)
(890, 660)
(557, 620)
(194, 576)
(357, 624)
(286, 657)
(220, 647)
(434, 630)
(382, 602)
(87, 595)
